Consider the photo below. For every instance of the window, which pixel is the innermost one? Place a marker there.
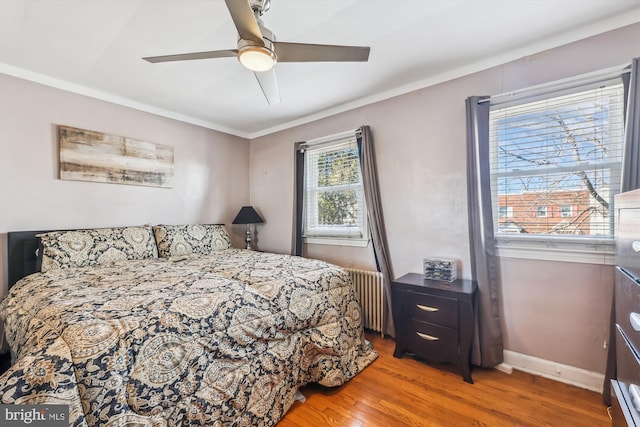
(566, 211)
(556, 160)
(506, 211)
(334, 200)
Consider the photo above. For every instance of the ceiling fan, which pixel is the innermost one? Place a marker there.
(259, 51)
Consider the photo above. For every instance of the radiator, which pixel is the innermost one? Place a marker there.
(368, 287)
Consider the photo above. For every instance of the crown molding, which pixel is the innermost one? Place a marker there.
(595, 28)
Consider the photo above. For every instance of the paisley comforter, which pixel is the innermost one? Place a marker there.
(224, 339)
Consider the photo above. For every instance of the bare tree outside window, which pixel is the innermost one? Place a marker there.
(558, 155)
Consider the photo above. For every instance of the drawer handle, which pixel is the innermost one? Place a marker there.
(427, 337)
(636, 245)
(634, 318)
(427, 308)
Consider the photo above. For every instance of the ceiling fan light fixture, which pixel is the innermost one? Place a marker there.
(257, 58)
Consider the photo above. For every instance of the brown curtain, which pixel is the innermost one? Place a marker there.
(376, 221)
(488, 347)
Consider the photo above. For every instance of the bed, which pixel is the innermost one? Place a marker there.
(175, 331)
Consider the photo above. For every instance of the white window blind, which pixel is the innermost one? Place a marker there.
(556, 163)
(334, 202)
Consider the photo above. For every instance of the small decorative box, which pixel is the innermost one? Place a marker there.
(440, 269)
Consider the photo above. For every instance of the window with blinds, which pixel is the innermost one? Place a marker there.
(556, 163)
(334, 201)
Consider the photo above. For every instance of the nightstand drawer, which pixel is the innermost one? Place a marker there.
(430, 308)
(435, 343)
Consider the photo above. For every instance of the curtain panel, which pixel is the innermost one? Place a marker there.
(488, 347)
(298, 203)
(376, 221)
(631, 157)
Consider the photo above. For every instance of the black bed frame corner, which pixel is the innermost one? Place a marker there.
(22, 255)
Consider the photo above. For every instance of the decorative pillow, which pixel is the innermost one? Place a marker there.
(176, 240)
(81, 248)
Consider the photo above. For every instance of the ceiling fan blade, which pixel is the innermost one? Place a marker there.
(269, 85)
(303, 52)
(245, 21)
(193, 55)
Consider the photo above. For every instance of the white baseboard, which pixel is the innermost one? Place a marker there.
(555, 371)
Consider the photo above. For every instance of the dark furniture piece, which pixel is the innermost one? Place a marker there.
(435, 320)
(22, 260)
(22, 254)
(625, 388)
(5, 362)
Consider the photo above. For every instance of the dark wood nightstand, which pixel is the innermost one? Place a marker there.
(435, 320)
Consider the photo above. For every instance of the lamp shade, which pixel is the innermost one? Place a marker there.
(247, 215)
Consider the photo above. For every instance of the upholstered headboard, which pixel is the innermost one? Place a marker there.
(22, 254)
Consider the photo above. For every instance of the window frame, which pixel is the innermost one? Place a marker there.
(569, 214)
(562, 248)
(337, 239)
(542, 211)
(506, 213)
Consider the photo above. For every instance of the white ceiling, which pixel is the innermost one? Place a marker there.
(94, 47)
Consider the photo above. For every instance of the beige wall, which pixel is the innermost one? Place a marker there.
(552, 310)
(211, 169)
(557, 311)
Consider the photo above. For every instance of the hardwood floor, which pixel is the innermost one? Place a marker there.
(406, 392)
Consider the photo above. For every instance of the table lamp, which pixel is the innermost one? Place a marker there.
(248, 215)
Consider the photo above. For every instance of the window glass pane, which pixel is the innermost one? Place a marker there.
(541, 211)
(333, 190)
(338, 208)
(338, 167)
(557, 162)
(506, 211)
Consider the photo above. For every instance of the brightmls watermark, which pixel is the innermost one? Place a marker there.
(34, 415)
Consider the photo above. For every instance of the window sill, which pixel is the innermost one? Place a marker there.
(336, 241)
(591, 251)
